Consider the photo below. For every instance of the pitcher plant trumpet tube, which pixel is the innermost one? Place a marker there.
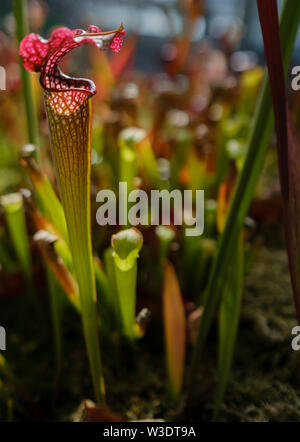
(126, 246)
(69, 113)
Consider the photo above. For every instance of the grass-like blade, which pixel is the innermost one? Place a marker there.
(257, 146)
(288, 144)
(229, 320)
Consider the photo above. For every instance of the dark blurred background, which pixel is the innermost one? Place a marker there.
(154, 20)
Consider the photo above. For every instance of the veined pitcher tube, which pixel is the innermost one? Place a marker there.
(69, 113)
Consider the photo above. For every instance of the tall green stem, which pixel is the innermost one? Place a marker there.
(22, 29)
(71, 148)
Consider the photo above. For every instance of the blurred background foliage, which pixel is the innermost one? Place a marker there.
(184, 87)
(155, 21)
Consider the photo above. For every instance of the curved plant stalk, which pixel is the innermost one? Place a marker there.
(60, 282)
(59, 278)
(256, 150)
(126, 247)
(69, 112)
(42, 223)
(54, 220)
(48, 201)
(46, 243)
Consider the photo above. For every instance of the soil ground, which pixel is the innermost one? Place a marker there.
(264, 383)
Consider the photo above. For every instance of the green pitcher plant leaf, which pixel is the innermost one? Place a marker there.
(69, 112)
(126, 246)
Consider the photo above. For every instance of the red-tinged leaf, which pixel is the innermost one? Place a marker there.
(45, 241)
(175, 330)
(288, 143)
(268, 15)
(119, 64)
(292, 209)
